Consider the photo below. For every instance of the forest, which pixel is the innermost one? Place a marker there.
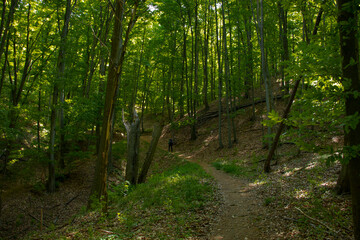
(258, 97)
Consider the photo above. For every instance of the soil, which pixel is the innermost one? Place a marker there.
(24, 204)
(241, 208)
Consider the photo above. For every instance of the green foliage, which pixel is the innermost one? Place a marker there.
(317, 117)
(272, 120)
(183, 123)
(119, 191)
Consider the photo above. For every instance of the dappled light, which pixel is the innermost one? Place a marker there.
(179, 119)
(301, 194)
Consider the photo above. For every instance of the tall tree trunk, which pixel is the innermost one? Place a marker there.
(343, 182)
(183, 80)
(281, 127)
(58, 81)
(133, 145)
(16, 87)
(249, 65)
(118, 49)
(227, 77)
(221, 145)
(264, 69)
(196, 70)
(146, 90)
(102, 71)
(3, 71)
(285, 56)
(206, 53)
(151, 151)
(5, 30)
(349, 48)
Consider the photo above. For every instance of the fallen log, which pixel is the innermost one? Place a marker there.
(210, 115)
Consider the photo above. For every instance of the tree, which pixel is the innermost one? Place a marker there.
(157, 129)
(133, 145)
(206, 53)
(6, 19)
(227, 77)
(118, 49)
(221, 145)
(264, 67)
(58, 83)
(349, 46)
(196, 71)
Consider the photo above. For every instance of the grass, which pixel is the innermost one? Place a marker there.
(235, 167)
(172, 205)
(171, 200)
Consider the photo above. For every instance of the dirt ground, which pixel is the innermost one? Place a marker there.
(237, 219)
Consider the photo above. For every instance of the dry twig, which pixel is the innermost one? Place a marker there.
(316, 220)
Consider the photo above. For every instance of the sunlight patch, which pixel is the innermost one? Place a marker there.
(301, 194)
(328, 184)
(312, 165)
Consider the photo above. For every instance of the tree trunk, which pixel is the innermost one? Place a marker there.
(221, 145)
(349, 48)
(118, 49)
(227, 76)
(285, 51)
(4, 30)
(102, 73)
(183, 80)
(264, 69)
(60, 80)
(249, 79)
(196, 70)
(151, 151)
(343, 182)
(133, 144)
(281, 126)
(51, 177)
(206, 53)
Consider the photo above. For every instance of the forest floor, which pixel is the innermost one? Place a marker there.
(295, 201)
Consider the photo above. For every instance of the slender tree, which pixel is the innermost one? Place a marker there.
(221, 145)
(58, 82)
(227, 77)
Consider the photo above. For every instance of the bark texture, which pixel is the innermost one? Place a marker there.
(118, 49)
(150, 153)
(281, 127)
(133, 145)
(349, 47)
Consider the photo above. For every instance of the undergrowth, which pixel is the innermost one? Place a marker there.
(172, 205)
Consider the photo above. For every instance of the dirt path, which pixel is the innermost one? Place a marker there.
(241, 209)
